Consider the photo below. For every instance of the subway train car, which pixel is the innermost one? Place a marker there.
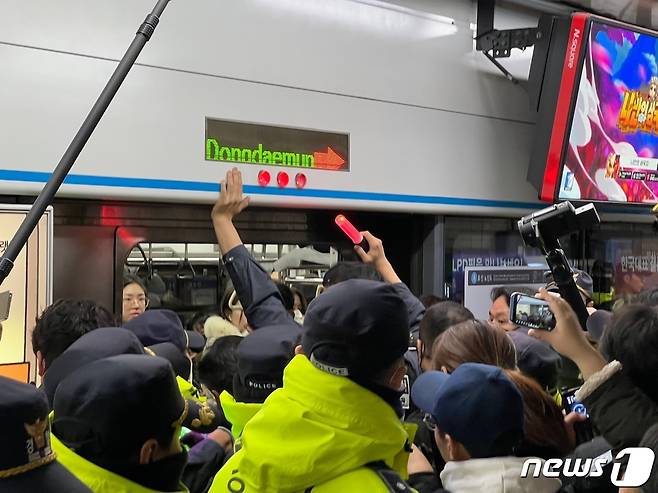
(384, 111)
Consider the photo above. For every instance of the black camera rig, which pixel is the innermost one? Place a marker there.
(543, 230)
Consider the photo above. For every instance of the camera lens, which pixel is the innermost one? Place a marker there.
(527, 231)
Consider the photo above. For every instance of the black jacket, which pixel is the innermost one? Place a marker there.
(621, 411)
(205, 460)
(262, 302)
(256, 291)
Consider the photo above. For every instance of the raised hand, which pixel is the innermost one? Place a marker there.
(568, 337)
(231, 201)
(377, 258)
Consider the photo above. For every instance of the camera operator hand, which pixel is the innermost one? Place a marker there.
(377, 258)
(229, 204)
(568, 338)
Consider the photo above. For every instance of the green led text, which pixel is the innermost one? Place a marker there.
(260, 155)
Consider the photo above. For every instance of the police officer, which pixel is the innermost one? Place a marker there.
(262, 358)
(335, 424)
(117, 424)
(27, 461)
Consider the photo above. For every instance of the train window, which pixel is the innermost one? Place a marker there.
(190, 278)
(301, 267)
(184, 277)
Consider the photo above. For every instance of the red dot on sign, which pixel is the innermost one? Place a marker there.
(264, 178)
(300, 180)
(282, 179)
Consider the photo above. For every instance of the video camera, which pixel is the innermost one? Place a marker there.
(543, 229)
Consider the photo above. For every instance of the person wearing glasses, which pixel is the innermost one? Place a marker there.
(135, 298)
(232, 311)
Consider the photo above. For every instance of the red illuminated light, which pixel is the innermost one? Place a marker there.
(264, 178)
(300, 180)
(349, 229)
(111, 215)
(282, 179)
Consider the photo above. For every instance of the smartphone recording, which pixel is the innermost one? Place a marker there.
(570, 404)
(531, 312)
(584, 429)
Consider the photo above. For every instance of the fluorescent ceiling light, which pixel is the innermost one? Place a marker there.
(375, 15)
(407, 11)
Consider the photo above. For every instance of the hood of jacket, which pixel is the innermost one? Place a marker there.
(494, 475)
(96, 478)
(315, 428)
(237, 413)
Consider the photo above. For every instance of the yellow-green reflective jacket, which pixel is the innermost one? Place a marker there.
(237, 413)
(318, 431)
(96, 478)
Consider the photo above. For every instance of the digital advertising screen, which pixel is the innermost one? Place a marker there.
(612, 149)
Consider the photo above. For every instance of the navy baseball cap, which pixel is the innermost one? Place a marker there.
(27, 461)
(156, 326)
(262, 356)
(95, 345)
(477, 405)
(356, 330)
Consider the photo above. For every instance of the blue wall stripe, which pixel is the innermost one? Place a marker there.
(196, 186)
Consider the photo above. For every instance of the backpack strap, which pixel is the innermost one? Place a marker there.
(391, 479)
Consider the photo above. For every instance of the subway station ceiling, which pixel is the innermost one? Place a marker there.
(641, 12)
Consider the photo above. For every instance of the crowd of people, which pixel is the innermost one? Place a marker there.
(365, 389)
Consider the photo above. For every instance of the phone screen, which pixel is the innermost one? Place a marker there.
(584, 430)
(5, 305)
(531, 312)
(570, 403)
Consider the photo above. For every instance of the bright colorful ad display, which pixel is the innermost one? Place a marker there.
(612, 153)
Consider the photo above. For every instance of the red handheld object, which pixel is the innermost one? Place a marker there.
(349, 229)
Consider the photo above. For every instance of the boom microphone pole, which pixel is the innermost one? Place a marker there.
(46, 196)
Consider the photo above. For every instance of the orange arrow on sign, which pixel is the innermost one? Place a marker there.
(328, 160)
